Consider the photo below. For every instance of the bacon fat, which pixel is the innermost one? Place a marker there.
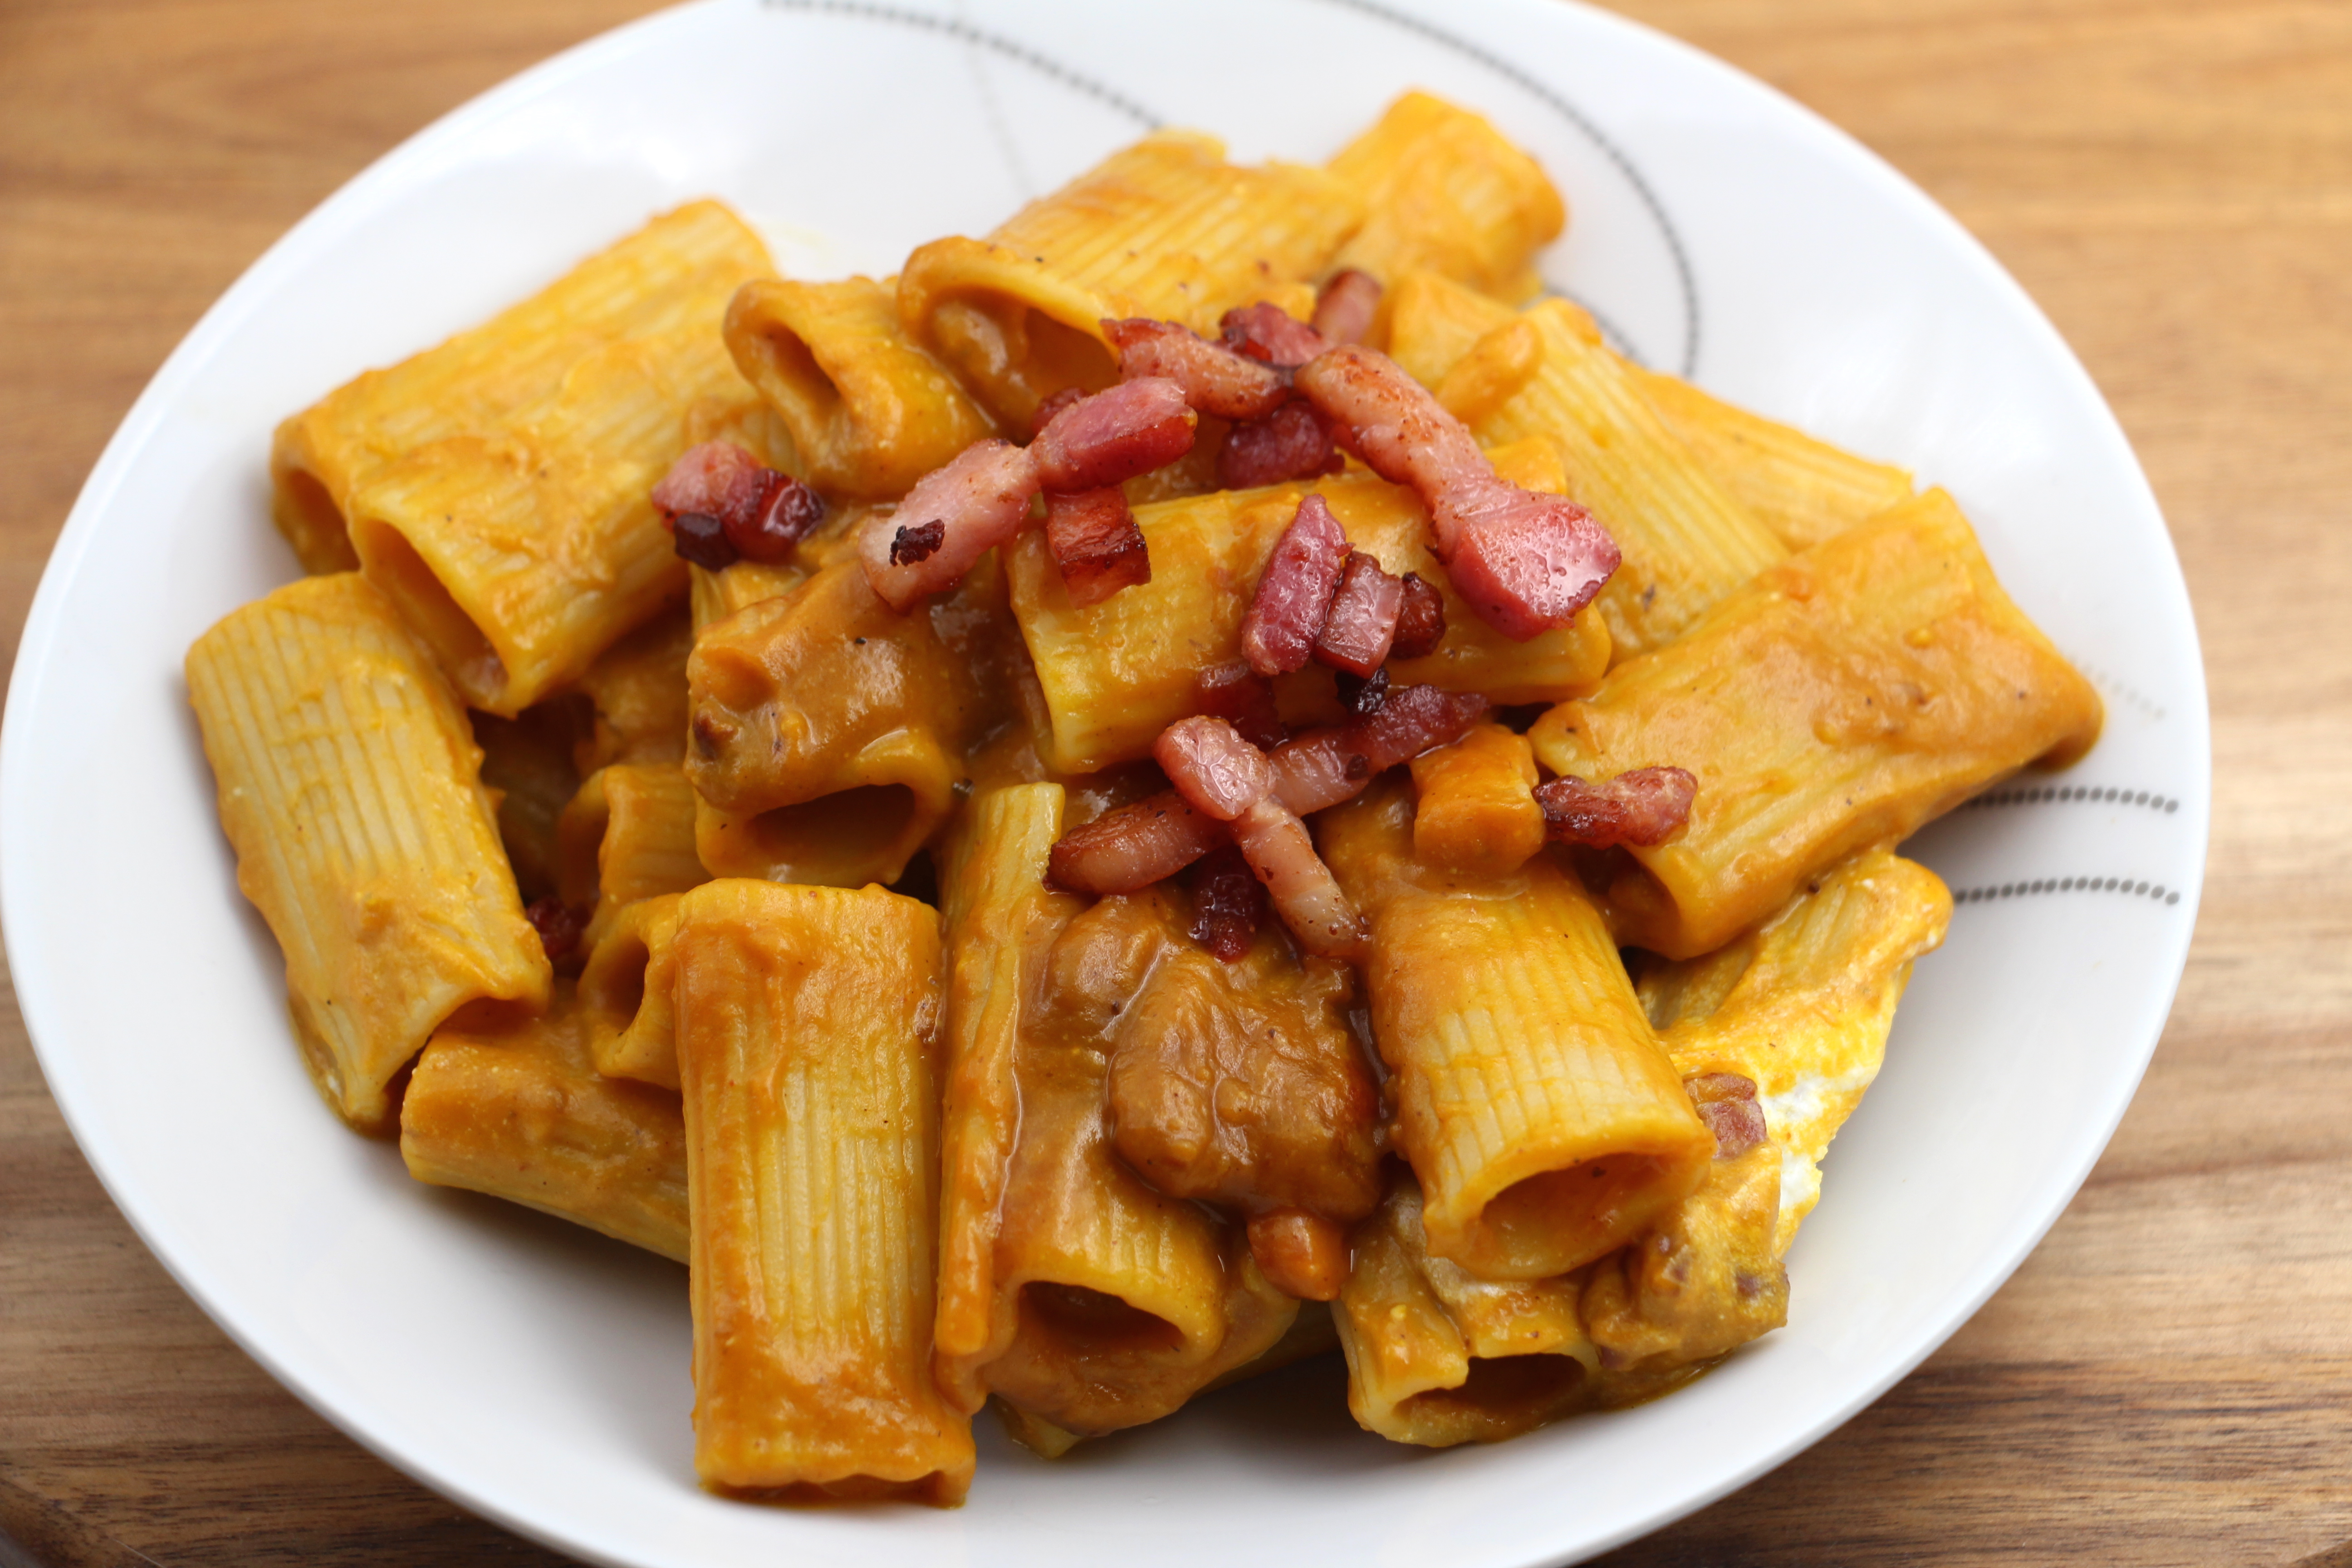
(1095, 541)
(978, 500)
(1345, 307)
(1134, 846)
(1294, 442)
(1362, 623)
(1726, 1102)
(1644, 807)
(1216, 381)
(1111, 436)
(1526, 562)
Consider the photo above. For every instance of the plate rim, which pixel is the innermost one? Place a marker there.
(414, 159)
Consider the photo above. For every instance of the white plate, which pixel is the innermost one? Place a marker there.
(539, 1374)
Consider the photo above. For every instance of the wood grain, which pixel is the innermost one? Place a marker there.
(2167, 1380)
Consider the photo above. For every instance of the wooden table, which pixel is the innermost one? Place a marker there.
(2167, 1380)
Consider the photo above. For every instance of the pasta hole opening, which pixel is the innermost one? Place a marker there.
(613, 983)
(1508, 1388)
(1558, 1220)
(1017, 356)
(1087, 1321)
(465, 654)
(856, 833)
(307, 515)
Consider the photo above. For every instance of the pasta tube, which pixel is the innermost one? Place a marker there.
(517, 1111)
(1165, 228)
(807, 1023)
(1801, 1006)
(636, 689)
(827, 728)
(1478, 813)
(1117, 673)
(1687, 541)
(1703, 1281)
(349, 790)
(1802, 489)
(1444, 190)
(1437, 1357)
(1839, 702)
(627, 834)
(625, 992)
(1539, 1111)
(715, 595)
(496, 487)
(870, 412)
(1113, 1304)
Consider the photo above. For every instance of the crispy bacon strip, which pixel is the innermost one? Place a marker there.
(1294, 442)
(1326, 766)
(1421, 619)
(1644, 807)
(1726, 1102)
(1141, 843)
(1095, 543)
(1111, 436)
(760, 513)
(1361, 624)
(1052, 407)
(978, 500)
(1239, 695)
(1216, 381)
(1294, 595)
(1526, 562)
(1271, 335)
(1346, 306)
(1224, 776)
(1227, 904)
(1134, 846)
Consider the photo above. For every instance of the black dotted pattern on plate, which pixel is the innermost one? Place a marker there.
(964, 32)
(2088, 795)
(2155, 892)
(1014, 50)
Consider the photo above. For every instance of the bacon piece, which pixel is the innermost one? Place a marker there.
(1239, 695)
(1271, 335)
(1302, 1254)
(701, 539)
(978, 498)
(1052, 407)
(1111, 436)
(1346, 306)
(1526, 562)
(1286, 613)
(1644, 807)
(1134, 846)
(716, 480)
(1227, 904)
(1726, 1102)
(1362, 695)
(1216, 381)
(1421, 619)
(1326, 766)
(1362, 623)
(792, 510)
(1095, 543)
(559, 927)
(1223, 776)
(761, 513)
(1294, 442)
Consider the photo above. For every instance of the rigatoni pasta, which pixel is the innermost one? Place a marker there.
(807, 1023)
(1101, 856)
(348, 787)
